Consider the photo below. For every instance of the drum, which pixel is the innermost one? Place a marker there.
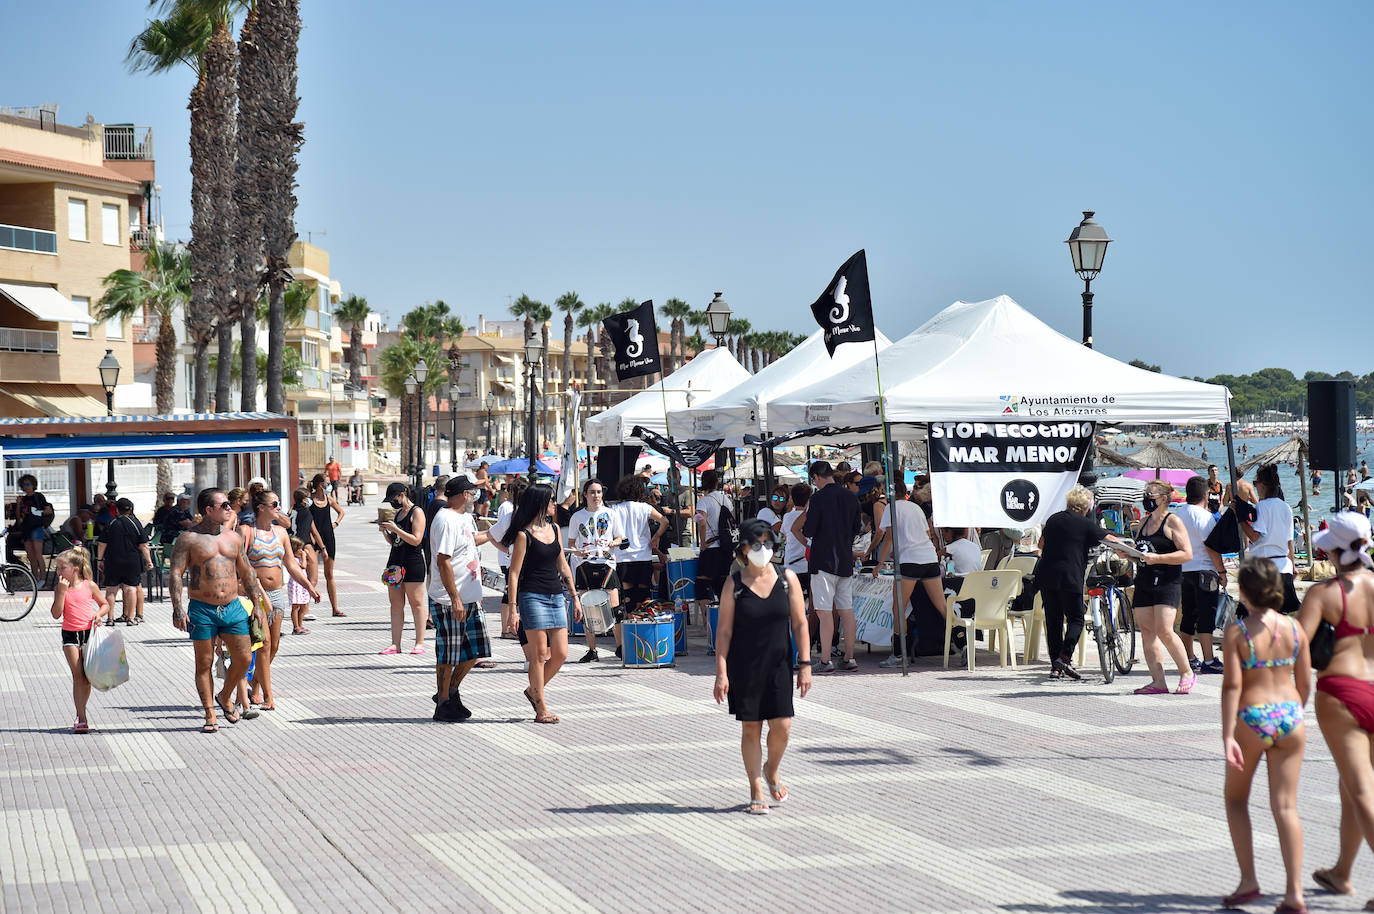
(597, 615)
(649, 642)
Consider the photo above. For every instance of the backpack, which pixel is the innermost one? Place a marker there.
(727, 528)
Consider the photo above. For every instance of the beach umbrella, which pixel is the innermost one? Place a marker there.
(1105, 456)
(1120, 488)
(1177, 478)
(1160, 456)
(517, 466)
(489, 459)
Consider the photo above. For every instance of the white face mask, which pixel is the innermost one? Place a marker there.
(759, 557)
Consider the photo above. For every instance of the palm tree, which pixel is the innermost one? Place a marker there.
(354, 311)
(753, 345)
(569, 304)
(155, 292)
(734, 332)
(695, 343)
(588, 318)
(525, 307)
(277, 34)
(677, 310)
(698, 321)
(291, 371)
(254, 92)
(296, 301)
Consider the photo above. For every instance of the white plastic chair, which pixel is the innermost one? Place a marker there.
(1032, 620)
(992, 592)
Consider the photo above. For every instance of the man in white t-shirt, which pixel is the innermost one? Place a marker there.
(967, 555)
(455, 589)
(713, 563)
(593, 536)
(1204, 579)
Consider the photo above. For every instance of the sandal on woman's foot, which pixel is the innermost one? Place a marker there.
(1185, 685)
(757, 807)
(418, 649)
(389, 650)
(1153, 689)
(81, 727)
(210, 727)
(339, 615)
(1236, 899)
(546, 719)
(778, 791)
(1326, 878)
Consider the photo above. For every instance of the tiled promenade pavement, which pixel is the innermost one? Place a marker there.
(943, 791)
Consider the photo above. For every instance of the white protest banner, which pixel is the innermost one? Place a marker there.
(1003, 474)
(873, 608)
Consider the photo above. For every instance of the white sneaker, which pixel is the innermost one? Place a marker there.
(309, 617)
(894, 660)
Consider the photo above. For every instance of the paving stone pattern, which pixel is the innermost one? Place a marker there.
(945, 791)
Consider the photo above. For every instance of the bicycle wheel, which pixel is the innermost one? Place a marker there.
(1101, 623)
(1123, 625)
(18, 592)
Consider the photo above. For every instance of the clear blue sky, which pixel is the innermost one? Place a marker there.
(473, 152)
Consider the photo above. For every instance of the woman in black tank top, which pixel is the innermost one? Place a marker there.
(322, 509)
(1158, 588)
(404, 533)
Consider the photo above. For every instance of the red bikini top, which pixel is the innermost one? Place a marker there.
(1343, 628)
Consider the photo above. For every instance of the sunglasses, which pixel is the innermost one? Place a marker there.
(220, 504)
(274, 504)
(760, 546)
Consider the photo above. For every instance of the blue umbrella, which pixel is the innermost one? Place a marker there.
(521, 465)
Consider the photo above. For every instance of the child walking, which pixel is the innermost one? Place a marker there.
(1265, 686)
(295, 593)
(75, 600)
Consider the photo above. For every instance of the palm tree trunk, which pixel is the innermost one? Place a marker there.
(277, 33)
(164, 388)
(544, 383)
(355, 353)
(224, 368)
(200, 311)
(567, 350)
(252, 92)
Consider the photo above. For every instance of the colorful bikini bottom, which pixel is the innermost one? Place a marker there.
(1272, 722)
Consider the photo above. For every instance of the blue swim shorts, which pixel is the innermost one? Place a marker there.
(205, 620)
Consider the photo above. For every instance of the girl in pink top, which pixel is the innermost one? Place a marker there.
(79, 604)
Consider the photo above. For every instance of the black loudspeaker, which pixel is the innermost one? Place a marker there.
(614, 462)
(1331, 424)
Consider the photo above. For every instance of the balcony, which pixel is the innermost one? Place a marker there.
(13, 339)
(128, 143)
(312, 379)
(18, 238)
(317, 320)
(142, 237)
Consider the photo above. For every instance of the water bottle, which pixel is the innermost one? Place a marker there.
(90, 529)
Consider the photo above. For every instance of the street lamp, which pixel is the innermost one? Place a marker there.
(532, 351)
(421, 371)
(109, 377)
(1088, 247)
(718, 318)
(491, 403)
(409, 458)
(454, 392)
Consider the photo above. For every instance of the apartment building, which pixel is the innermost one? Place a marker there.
(76, 203)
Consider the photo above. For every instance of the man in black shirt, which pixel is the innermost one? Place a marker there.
(1064, 546)
(177, 518)
(831, 521)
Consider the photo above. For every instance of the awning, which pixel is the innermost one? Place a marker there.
(44, 303)
(143, 446)
(57, 401)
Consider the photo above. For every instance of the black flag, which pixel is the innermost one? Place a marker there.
(690, 454)
(635, 336)
(845, 310)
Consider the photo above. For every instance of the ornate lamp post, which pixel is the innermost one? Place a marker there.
(718, 318)
(491, 404)
(109, 377)
(409, 457)
(533, 348)
(1088, 247)
(454, 392)
(421, 372)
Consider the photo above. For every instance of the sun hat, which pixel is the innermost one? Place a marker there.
(1346, 538)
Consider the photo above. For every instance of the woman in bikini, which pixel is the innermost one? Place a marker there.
(1265, 685)
(268, 547)
(1345, 687)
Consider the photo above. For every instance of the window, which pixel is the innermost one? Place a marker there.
(310, 354)
(114, 328)
(109, 223)
(76, 219)
(83, 304)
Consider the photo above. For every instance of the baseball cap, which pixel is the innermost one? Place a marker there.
(86, 508)
(396, 488)
(458, 484)
(1346, 537)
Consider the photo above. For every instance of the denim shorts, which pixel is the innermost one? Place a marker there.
(205, 620)
(542, 611)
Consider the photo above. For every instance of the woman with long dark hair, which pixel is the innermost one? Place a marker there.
(539, 576)
(32, 514)
(404, 532)
(322, 507)
(267, 546)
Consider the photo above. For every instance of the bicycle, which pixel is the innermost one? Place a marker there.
(18, 592)
(1112, 619)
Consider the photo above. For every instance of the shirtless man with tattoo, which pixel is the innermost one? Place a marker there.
(218, 568)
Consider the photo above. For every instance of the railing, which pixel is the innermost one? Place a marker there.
(317, 320)
(141, 237)
(12, 339)
(19, 238)
(125, 141)
(312, 379)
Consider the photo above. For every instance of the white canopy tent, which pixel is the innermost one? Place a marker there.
(709, 375)
(993, 360)
(743, 410)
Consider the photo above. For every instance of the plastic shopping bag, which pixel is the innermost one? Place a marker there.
(106, 665)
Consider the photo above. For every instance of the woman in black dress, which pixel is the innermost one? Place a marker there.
(322, 508)
(123, 557)
(754, 657)
(404, 533)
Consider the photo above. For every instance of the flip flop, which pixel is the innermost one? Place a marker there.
(546, 719)
(756, 807)
(340, 615)
(1153, 689)
(229, 715)
(1236, 899)
(1286, 908)
(1324, 879)
(1186, 684)
(419, 649)
(481, 664)
(778, 791)
(389, 650)
(79, 727)
(210, 728)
